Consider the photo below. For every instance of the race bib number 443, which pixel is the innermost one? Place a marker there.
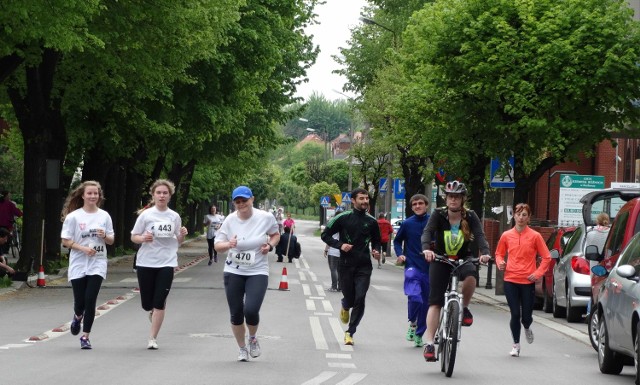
(163, 229)
(243, 258)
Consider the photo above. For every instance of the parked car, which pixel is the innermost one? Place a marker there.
(625, 224)
(544, 286)
(572, 276)
(571, 279)
(618, 309)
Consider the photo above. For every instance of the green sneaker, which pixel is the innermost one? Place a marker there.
(411, 332)
(417, 341)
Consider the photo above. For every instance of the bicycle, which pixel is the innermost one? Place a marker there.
(449, 330)
(14, 242)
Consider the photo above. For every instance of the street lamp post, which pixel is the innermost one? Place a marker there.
(550, 175)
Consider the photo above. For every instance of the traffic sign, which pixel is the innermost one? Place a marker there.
(382, 185)
(502, 177)
(325, 201)
(346, 197)
(398, 188)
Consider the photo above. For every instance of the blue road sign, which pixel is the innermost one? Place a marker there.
(398, 188)
(501, 177)
(382, 185)
(325, 201)
(346, 198)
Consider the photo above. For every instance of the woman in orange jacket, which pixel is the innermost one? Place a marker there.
(522, 245)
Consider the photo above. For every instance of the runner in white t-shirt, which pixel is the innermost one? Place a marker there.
(247, 235)
(86, 232)
(213, 221)
(159, 232)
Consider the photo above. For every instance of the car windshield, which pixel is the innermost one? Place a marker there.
(575, 242)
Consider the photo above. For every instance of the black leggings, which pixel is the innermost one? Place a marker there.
(155, 284)
(212, 250)
(85, 295)
(245, 294)
(520, 298)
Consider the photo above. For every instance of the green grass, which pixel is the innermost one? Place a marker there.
(5, 282)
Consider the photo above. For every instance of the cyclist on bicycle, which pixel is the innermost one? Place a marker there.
(450, 232)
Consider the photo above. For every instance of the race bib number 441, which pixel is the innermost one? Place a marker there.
(163, 229)
(243, 258)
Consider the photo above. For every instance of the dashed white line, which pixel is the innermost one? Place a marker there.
(318, 336)
(338, 356)
(311, 305)
(353, 378)
(326, 304)
(341, 365)
(305, 289)
(320, 378)
(339, 334)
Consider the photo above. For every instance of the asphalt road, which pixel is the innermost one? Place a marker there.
(300, 334)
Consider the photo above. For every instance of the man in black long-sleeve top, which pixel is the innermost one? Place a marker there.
(359, 240)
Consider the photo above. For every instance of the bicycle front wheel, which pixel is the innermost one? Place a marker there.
(450, 342)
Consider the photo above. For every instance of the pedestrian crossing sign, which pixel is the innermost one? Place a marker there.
(324, 201)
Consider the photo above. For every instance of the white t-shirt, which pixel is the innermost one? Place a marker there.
(215, 221)
(82, 228)
(165, 227)
(332, 250)
(246, 258)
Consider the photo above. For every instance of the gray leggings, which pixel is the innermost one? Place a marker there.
(245, 294)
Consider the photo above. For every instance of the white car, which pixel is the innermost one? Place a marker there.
(395, 223)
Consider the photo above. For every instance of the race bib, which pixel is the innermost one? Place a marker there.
(163, 230)
(100, 248)
(243, 258)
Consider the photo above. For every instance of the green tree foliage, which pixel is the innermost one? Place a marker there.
(318, 190)
(544, 80)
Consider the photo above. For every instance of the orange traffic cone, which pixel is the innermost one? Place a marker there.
(284, 284)
(41, 282)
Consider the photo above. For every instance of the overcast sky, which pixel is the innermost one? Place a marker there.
(336, 18)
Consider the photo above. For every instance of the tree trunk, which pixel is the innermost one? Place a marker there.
(476, 184)
(412, 167)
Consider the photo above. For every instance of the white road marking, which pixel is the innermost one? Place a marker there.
(313, 276)
(342, 365)
(305, 289)
(327, 305)
(12, 346)
(382, 288)
(314, 297)
(324, 314)
(320, 290)
(320, 378)
(338, 356)
(311, 305)
(318, 336)
(301, 275)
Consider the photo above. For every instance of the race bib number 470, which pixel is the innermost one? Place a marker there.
(243, 258)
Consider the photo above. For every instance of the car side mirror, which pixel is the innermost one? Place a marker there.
(555, 254)
(628, 272)
(591, 253)
(599, 271)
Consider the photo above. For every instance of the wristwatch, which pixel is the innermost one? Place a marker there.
(270, 246)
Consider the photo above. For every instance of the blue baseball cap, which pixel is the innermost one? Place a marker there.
(241, 192)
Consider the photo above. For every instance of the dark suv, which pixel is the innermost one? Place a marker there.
(544, 287)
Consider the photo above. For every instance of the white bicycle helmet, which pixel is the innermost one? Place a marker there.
(455, 187)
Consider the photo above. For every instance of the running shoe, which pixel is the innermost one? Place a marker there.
(529, 334)
(210, 263)
(515, 350)
(254, 347)
(417, 341)
(467, 317)
(344, 316)
(348, 340)
(85, 343)
(153, 344)
(429, 353)
(243, 355)
(75, 325)
(411, 332)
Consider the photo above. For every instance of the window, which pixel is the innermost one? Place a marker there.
(575, 242)
(616, 234)
(631, 254)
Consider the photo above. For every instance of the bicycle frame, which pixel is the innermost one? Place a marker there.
(449, 331)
